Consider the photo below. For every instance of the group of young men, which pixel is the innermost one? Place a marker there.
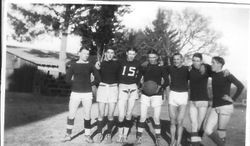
(120, 81)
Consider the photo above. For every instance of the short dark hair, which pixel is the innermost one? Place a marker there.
(152, 51)
(219, 60)
(198, 55)
(178, 54)
(132, 49)
(84, 48)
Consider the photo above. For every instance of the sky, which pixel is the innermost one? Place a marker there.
(231, 21)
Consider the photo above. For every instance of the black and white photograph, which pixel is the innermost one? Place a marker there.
(125, 73)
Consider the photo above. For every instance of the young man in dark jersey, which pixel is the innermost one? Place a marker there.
(198, 77)
(129, 77)
(178, 96)
(107, 92)
(81, 71)
(222, 107)
(152, 72)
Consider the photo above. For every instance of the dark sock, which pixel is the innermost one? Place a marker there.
(99, 126)
(140, 125)
(195, 139)
(87, 124)
(110, 126)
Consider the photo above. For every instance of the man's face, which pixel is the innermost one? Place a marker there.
(196, 62)
(131, 55)
(216, 66)
(177, 60)
(110, 54)
(152, 58)
(84, 55)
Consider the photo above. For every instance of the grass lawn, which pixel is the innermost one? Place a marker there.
(34, 120)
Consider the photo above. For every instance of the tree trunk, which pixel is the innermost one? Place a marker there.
(62, 55)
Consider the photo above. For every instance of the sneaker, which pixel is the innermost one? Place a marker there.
(108, 139)
(99, 137)
(138, 140)
(67, 137)
(88, 139)
(119, 139)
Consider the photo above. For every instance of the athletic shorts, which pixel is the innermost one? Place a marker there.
(107, 93)
(78, 96)
(154, 101)
(178, 98)
(225, 109)
(127, 91)
(198, 103)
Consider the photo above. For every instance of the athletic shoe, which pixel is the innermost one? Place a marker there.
(67, 137)
(88, 139)
(138, 140)
(99, 137)
(108, 139)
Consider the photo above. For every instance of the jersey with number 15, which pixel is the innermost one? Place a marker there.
(130, 72)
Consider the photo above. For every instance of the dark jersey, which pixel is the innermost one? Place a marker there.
(109, 71)
(155, 73)
(178, 78)
(198, 84)
(130, 72)
(221, 86)
(81, 77)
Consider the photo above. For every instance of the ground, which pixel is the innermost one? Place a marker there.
(38, 120)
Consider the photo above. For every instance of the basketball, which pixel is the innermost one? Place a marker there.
(150, 87)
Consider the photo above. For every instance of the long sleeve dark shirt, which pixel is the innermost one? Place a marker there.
(221, 86)
(81, 73)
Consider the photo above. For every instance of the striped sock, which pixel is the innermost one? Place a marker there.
(70, 124)
(87, 126)
(157, 128)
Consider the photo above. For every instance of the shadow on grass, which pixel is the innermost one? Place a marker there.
(165, 130)
(24, 108)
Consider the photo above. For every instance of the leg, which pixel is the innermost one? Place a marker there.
(202, 111)
(101, 108)
(173, 116)
(143, 117)
(224, 117)
(211, 123)
(73, 106)
(128, 122)
(181, 114)
(87, 102)
(193, 113)
(157, 127)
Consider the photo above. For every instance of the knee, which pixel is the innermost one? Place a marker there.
(180, 122)
(208, 130)
(173, 121)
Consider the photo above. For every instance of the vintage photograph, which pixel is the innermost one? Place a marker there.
(125, 74)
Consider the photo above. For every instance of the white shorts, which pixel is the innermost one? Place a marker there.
(154, 101)
(78, 96)
(197, 104)
(178, 98)
(127, 91)
(225, 109)
(107, 93)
